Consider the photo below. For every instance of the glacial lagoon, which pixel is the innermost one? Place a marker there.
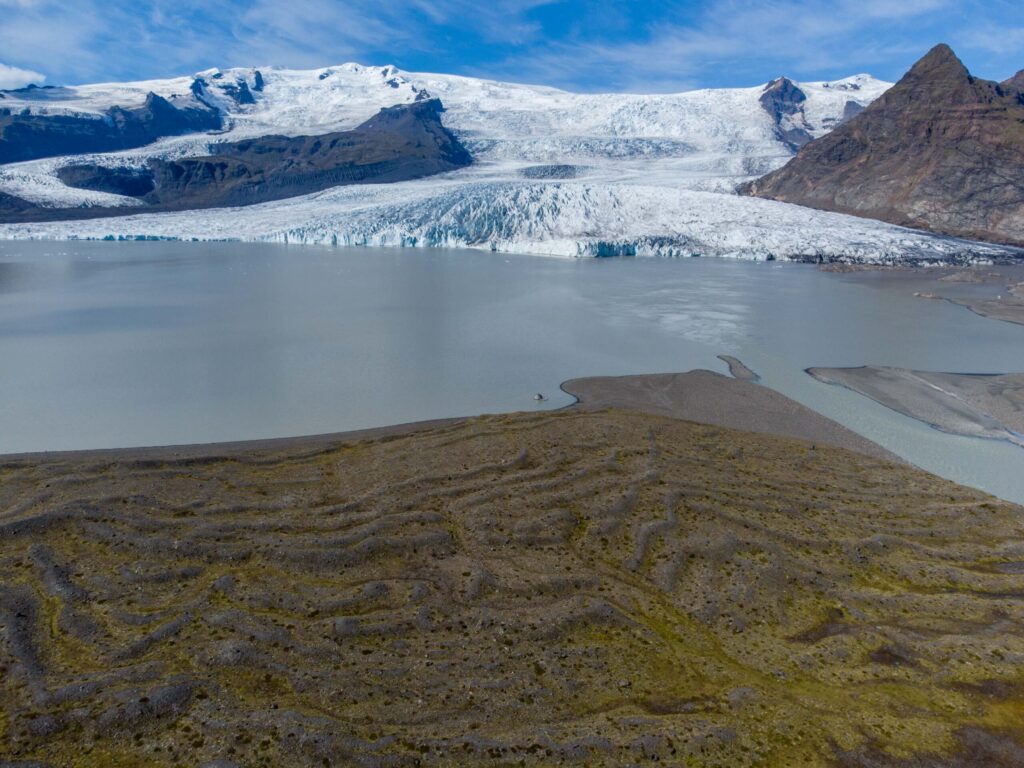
(157, 343)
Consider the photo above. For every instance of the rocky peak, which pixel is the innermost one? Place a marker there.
(939, 77)
(939, 62)
(1015, 83)
(784, 90)
(238, 92)
(940, 150)
(783, 100)
(416, 112)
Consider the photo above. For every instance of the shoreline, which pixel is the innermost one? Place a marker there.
(1003, 310)
(701, 396)
(707, 397)
(1008, 278)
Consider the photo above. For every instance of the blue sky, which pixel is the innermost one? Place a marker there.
(584, 45)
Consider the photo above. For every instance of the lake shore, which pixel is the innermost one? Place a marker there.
(110, 345)
(1007, 306)
(707, 397)
(1002, 286)
(701, 396)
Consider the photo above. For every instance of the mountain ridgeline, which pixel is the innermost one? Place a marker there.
(30, 136)
(555, 171)
(941, 150)
(398, 144)
(403, 142)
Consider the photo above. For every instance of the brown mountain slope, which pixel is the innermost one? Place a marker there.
(941, 150)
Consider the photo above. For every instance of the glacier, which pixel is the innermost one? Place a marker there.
(555, 173)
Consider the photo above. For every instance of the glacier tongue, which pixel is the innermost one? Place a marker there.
(568, 219)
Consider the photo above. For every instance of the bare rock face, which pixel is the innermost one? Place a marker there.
(399, 143)
(850, 110)
(11, 205)
(132, 182)
(783, 100)
(941, 151)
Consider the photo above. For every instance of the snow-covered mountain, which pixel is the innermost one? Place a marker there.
(554, 172)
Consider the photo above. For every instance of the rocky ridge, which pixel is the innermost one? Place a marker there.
(27, 136)
(400, 143)
(941, 150)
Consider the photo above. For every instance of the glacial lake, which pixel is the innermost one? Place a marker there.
(158, 343)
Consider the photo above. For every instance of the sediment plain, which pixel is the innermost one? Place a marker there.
(970, 404)
(593, 586)
(1007, 304)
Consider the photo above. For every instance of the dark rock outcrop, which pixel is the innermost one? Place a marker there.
(28, 136)
(850, 110)
(13, 206)
(783, 100)
(399, 143)
(941, 151)
(558, 171)
(239, 91)
(133, 182)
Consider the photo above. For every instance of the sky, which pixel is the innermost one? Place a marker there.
(581, 45)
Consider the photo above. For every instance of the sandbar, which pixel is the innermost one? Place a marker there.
(975, 405)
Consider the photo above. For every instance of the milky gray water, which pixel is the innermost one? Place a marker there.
(125, 344)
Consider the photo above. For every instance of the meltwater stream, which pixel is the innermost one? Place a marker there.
(157, 343)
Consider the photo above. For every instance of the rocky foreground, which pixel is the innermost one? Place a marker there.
(595, 587)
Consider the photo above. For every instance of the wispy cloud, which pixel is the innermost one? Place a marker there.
(745, 40)
(997, 39)
(320, 32)
(14, 77)
(92, 39)
(579, 44)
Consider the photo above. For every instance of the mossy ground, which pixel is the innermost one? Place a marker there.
(593, 588)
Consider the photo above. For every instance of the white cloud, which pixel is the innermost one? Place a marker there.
(94, 39)
(996, 39)
(13, 77)
(321, 32)
(687, 43)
